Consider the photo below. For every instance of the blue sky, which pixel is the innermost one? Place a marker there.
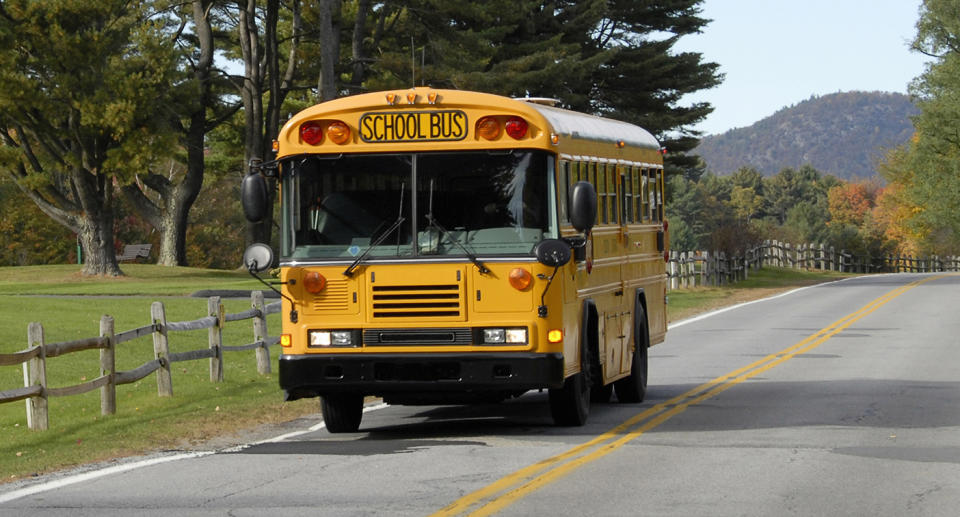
(776, 53)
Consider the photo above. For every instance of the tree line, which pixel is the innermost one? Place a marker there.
(737, 212)
(908, 209)
(117, 116)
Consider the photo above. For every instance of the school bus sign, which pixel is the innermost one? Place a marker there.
(413, 126)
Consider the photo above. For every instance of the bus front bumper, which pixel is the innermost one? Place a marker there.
(383, 374)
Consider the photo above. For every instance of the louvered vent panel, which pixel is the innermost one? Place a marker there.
(335, 297)
(416, 301)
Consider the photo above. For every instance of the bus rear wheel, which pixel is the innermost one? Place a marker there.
(342, 412)
(634, 388)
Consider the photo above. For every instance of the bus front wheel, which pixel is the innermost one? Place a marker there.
(342, 412)
(570, 404)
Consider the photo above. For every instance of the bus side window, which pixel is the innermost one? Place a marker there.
(652, 194)
(644, 197)
(563, 183)
(659, 194)
(612, 192)
(590, 175)
(652, 184)
(626, 193)
(602, 215)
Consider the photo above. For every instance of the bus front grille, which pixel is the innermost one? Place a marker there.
(417, 336)
(416, 301)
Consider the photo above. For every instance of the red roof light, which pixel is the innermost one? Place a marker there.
(311, 132)
(516, 127)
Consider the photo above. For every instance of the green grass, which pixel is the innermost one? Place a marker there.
(199, 409)
(70, 307)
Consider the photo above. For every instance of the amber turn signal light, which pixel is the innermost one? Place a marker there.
(520, 278)
(338, 132)
(488, 128)
(314, 282)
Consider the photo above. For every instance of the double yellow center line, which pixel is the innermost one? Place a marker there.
(500, 494)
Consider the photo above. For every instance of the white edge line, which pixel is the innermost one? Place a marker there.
(737, 306)
(87, 476)
(117, 469)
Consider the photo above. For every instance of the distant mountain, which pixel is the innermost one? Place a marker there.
(843, 134)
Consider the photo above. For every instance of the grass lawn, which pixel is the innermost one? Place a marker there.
(70, 306)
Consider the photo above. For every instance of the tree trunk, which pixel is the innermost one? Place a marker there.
(359, 58)
(99, 256)
(262, 75)
(329, 49)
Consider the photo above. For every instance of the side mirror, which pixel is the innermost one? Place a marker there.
(583, 206)
(258, 257)
(253, 194)
(552, 252)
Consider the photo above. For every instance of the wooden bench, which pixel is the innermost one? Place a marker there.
(134, 251)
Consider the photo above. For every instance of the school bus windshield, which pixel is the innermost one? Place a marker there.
(416, 204)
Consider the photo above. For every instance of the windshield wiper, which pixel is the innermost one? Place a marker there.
(393, 227)
(443, 231)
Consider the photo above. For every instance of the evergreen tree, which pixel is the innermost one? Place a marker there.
(644, 80)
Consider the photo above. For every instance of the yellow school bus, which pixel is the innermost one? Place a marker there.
(450, 247)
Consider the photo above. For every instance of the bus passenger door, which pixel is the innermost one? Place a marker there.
(626, 213)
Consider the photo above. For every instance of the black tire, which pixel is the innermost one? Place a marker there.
(342, 412)
(600, 394)
(633, 389)
(570, 405)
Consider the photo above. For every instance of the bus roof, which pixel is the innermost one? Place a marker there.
(580, 125)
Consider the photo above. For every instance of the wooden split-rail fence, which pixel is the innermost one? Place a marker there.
(36, 392)
(704, 268)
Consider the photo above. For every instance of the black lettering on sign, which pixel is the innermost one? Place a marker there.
(413, 126)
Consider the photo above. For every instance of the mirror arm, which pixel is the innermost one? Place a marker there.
(542, 309)
(267, 169)
(579, 245)
(294, 316)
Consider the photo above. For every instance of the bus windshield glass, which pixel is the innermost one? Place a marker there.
(412, 205)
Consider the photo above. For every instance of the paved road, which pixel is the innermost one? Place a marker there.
(842, 399)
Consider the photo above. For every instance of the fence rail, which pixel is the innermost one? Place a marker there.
(33, 358)
(705, 268)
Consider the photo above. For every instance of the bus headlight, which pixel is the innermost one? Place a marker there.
(504, 336)
(323, 338)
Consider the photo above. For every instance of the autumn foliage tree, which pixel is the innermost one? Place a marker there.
(925, 174)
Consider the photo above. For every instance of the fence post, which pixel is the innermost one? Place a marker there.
(161, 349)
(108, 393)
(260, 333)
(215, 337)
(35, 374)
(704, 268)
